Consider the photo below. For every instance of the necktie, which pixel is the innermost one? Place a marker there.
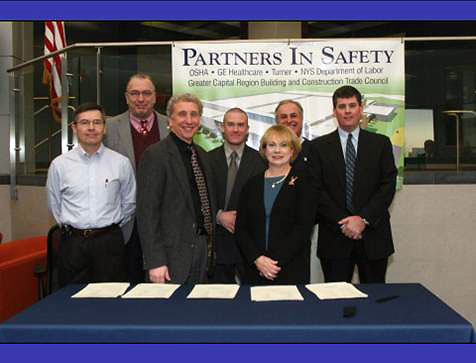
(143, 127)
(350, 157)
(204, 202)
(230, 180)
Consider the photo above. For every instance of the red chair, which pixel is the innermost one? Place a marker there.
(18, 284)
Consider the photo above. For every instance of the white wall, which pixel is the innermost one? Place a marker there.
(433, 227)
(29, 213)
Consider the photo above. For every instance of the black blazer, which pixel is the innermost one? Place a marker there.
(251, 164)
(292, 220)
(374, 188)
(302, 160)
(165, 211)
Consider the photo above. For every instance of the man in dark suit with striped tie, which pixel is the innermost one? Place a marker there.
(355, 178)
(233, 164)
(176, 200)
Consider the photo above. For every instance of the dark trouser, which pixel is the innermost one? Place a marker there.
(99, 258)
(370, 271)
(134, 259)
(198, 270)
(226, 274)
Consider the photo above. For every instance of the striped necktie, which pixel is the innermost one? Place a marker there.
(204, 204)
(350, 157)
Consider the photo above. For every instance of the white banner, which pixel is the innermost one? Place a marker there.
(257, 76)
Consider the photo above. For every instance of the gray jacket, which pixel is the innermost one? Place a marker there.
(118, 138)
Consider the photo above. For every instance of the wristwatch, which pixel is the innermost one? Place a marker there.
(366, 222)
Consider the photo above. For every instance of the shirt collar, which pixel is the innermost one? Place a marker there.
(83, 153)
(136, 122)
(229, 150)
(344, 134)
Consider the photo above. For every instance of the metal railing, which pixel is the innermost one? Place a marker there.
(16, 86)
(17, 121)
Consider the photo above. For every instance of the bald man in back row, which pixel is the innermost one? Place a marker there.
(291, 114)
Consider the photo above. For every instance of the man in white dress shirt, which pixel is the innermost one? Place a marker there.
(91, 193)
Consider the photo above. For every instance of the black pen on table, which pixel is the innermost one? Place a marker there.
(387, 298)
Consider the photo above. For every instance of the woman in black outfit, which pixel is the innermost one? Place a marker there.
(276, 215)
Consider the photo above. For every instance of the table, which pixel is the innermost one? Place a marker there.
(415, 316)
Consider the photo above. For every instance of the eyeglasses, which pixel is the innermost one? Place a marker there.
(136, 94)
(85, 123)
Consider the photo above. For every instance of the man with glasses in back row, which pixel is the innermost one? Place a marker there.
(91, 194)
(130, 133)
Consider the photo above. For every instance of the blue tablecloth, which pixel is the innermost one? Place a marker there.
(416, 316)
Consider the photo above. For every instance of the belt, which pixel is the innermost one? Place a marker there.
(92, 232)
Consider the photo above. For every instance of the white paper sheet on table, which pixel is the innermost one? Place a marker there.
(151, 291)
(275, 293)
(213, 291)
(103, 290)
(336, 290)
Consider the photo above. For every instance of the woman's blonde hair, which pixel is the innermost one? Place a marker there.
(283, 134)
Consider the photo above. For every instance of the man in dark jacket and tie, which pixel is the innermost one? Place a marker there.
(291, 114)
(355, 176)
(233, 164)
(176, 200)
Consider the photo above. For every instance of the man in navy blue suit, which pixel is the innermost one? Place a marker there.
(355, 178)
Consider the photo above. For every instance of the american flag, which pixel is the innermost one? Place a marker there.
(55, 39)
